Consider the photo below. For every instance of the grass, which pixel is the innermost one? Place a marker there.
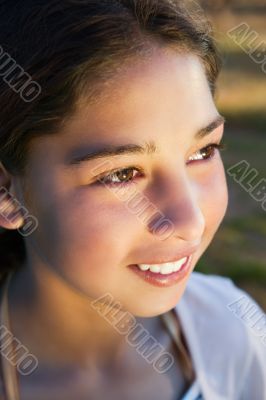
(238, 250)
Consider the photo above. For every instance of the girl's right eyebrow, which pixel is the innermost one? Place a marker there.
(109, 150)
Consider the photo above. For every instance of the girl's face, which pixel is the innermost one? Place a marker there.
(88, 234)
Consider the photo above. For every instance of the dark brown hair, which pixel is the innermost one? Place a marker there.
(62, 51)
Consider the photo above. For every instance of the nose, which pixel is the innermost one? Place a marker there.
(178, 212)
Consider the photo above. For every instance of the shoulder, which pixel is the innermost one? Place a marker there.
(229, 327)
(226, 307)
(217, 293)
(203, 286)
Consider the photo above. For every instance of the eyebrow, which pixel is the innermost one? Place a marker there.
(147, 148)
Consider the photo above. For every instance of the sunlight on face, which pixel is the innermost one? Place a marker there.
(86, 233)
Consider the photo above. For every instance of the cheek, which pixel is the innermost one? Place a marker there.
(84, 230)
(214, 196)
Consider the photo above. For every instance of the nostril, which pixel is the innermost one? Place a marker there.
(191, 228)
(188, 225)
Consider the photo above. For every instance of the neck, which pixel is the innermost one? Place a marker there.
(58, 325)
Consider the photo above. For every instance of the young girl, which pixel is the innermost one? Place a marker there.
(112, 188)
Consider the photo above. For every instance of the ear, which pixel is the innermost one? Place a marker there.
(11, 211)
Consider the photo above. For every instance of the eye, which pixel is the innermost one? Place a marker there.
(206, 153)
(120, 177)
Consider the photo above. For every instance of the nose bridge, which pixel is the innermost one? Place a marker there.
(177, 200)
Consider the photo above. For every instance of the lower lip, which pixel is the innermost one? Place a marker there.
(161, 280)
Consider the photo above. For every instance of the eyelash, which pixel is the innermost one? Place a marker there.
(104, 179)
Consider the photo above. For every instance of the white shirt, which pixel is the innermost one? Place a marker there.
(194, 392)
(226, 333)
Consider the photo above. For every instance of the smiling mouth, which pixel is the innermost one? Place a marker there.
(163, 275)
(164, 268)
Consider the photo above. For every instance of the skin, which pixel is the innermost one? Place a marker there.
(86, 236)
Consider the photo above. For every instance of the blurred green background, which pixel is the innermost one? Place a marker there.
(239, 248)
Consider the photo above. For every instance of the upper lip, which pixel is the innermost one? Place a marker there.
(167, 259)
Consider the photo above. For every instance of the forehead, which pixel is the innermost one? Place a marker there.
(164, 100)
(149, 93)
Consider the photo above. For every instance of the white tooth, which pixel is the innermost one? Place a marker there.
(155, 268)
(167, 268)
(179, 264)
(143, 267)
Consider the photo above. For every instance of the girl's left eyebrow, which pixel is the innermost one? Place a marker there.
(147, 148)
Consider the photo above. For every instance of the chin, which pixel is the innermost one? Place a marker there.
(155, 309)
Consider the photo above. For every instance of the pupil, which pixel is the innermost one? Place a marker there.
(123, 174)
(207, 152)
